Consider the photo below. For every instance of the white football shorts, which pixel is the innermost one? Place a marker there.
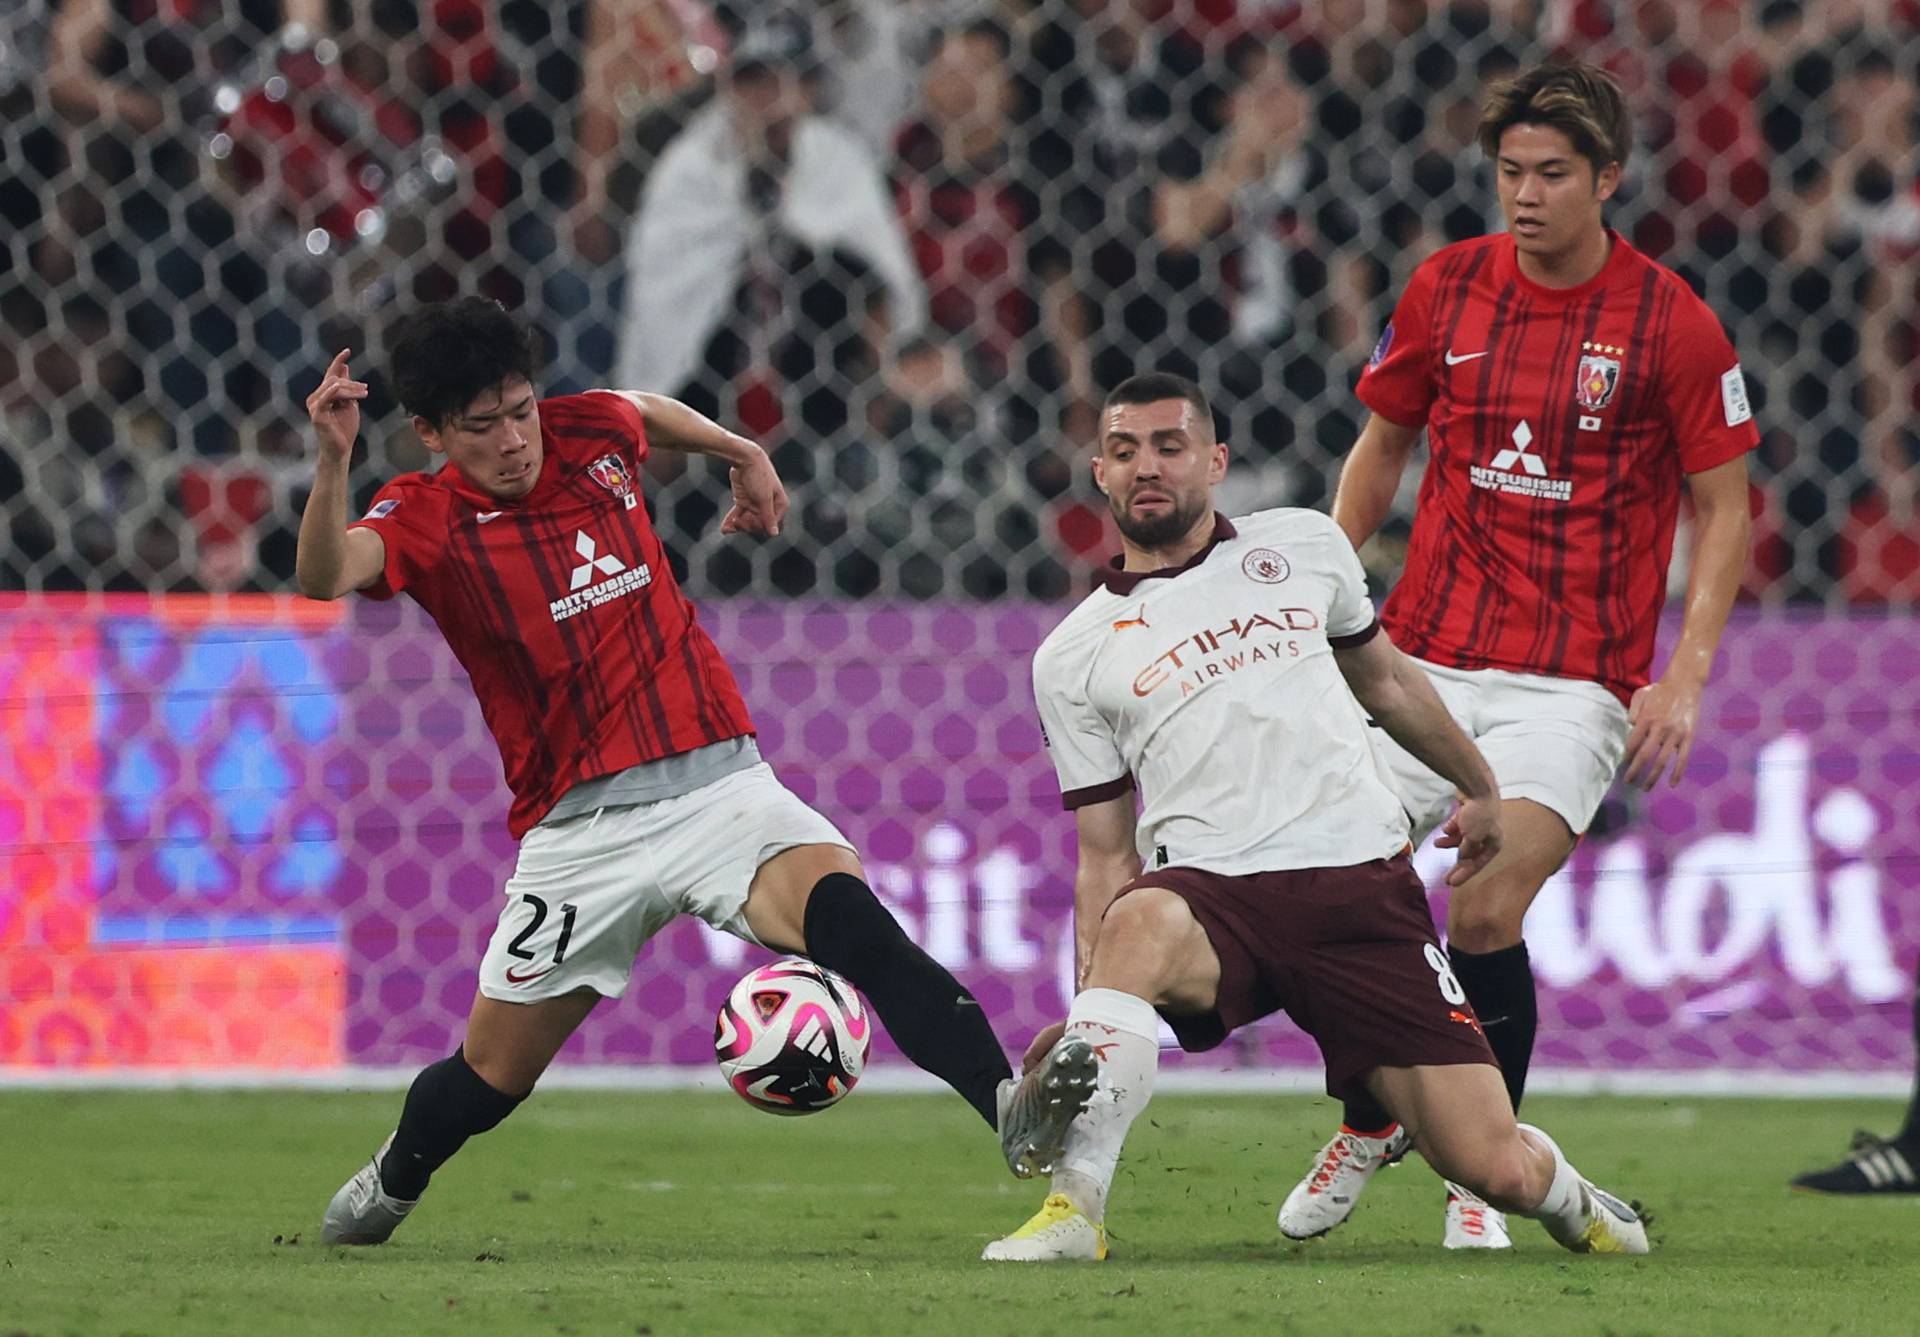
(588, 892)
(1557, 741)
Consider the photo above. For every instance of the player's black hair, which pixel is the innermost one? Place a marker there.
(1151, 387)
(1581, 101)
(440, 358)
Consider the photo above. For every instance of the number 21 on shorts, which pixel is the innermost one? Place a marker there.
(517, 948)
(1449, 983)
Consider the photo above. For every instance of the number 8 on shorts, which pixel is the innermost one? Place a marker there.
(1449, 985)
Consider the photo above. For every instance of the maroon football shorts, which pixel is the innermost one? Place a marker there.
(1349, 953)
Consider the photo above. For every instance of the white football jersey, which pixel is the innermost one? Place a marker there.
(1212, 688)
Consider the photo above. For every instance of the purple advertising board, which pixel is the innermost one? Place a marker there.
(325, 787)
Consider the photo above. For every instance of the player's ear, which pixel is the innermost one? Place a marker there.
(429, 435)
(1217, 466)
(1100, 469)
(1606, 181)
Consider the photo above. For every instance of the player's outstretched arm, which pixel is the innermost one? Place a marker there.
(1371, 476)
(1665, 713)
(331, 558)
(1397, 694)
(759, 498)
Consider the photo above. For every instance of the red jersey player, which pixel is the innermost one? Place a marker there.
(1569, 387)
(638, 792)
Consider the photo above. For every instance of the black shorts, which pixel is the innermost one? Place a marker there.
(1350, 954)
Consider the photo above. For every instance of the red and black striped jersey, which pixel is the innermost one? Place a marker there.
(584, 653)
(1560, 423)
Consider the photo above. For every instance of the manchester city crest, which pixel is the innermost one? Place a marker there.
(1266, 566)
(1597, 379)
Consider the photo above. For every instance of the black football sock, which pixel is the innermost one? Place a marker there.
(1365, 1115)
(933, 1019)
(1500, 987)
(1909, 1134)
(447, 1104)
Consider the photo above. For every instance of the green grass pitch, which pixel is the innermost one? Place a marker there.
(650, 1213)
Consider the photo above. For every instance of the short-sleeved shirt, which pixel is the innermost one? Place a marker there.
(1212, 687)
(1560, 424)
(585, 655)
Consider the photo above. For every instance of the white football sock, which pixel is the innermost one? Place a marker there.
(1124, 1031)
(1564, 1201)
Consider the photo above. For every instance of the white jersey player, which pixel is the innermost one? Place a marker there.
(1222, 671)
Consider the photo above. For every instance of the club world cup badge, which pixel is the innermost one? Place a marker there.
(610, 472)
(1598, 378)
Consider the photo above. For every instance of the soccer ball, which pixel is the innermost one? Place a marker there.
(792, 1037)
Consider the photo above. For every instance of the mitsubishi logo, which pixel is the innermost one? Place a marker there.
(583, 574)
(1522, 438)
(1519, 472)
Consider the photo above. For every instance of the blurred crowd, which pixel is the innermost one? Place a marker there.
(907, 244)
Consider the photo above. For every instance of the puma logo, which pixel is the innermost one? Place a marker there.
(1125, 622)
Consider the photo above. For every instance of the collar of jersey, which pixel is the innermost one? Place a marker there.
(1616, 261)
(1122, 582)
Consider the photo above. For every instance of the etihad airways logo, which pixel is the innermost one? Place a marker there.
(1196, 660)
(1520, 472)
(598, 578)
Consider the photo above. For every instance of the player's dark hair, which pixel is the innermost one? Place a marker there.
(1151, 387)
(440, 358)
(1581, 101)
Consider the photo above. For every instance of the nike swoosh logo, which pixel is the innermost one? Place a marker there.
(1453, 361)
(485, 516)
(526, 979)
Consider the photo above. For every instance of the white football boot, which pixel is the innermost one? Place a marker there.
(1611, 1226)
(1606, 1224)
(362, 1212)
(1333, 1185)
(1036, 1110)
(1471, 1224)
(1059, 1232)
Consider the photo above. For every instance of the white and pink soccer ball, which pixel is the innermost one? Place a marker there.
(792, 1037)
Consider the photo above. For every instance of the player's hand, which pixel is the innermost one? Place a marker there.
(1474, 830)
(1664, 716)
(1042, 1042)
(335, 409)
(759, 499)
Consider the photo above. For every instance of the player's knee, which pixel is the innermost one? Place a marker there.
(842, 917)
(1483, 920)
(1143, 929)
